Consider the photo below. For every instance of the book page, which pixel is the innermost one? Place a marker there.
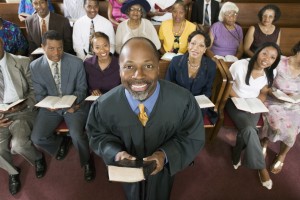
(204, 101)
(256, 105)
(65, 101)
(284, 97)
(92, 98)
(241, 104)
(48, 102)
(39, 50)
(169, 55)
(5, 107)
(125, 174)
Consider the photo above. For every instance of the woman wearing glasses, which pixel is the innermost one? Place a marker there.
(174, 33)
(136, 25)
(264, 31)
(226, 35)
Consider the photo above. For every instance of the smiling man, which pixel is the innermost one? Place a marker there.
(85, 26)
(42, 21)
(171, 132)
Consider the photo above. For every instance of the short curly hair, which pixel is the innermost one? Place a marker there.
(270, 7)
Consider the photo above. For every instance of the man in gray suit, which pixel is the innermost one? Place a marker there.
(58, 74)
(16, 123)
(44, 20)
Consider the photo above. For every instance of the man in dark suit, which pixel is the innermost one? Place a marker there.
(16, 123)
(198, 11)
(58, 74)
(44, 20)
(138, 120)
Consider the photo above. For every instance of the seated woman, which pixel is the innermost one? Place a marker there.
(13, 38)
(264, 31)
(26, 9)
(226, 35)
(282, 122)
(174, 33)
(252, 79)
(193, 70)
(136, 25)
(114, 12)
(102, 69)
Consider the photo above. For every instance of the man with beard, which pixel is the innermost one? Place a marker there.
(172, 133)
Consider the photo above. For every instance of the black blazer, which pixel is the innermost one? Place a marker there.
(197, 11)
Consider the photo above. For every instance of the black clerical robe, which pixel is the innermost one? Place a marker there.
(175, 126)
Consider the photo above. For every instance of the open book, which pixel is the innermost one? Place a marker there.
(130, 171)
(38, 51)
(92, 98)
(54, 102)
(5, 107)
(282, 96)
(228, 58)
(169, 55)
(252, 105)
(204, 101)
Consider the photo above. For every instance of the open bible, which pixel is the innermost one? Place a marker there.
(92, 98)
(6, 107)
(130, 171)
(252, 105)
(204, 101)
(169, 55)
(282, 96)
(54, 102)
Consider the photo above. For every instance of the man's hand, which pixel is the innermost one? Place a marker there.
(159, 157)
(73, 108)
(4, 122)
(124, 155)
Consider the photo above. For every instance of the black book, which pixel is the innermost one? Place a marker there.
(130, 171)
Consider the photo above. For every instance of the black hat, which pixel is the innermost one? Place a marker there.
(127, 4)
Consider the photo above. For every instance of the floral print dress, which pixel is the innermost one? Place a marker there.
(282, 123)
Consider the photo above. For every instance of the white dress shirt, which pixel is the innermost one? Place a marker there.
(81, 33)
(10, 93)
(47, 18)
(73, 9)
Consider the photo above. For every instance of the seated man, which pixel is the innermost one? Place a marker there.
(13, 38)
(16, 123)
(57, 74)
(43, 20)
(138, 120)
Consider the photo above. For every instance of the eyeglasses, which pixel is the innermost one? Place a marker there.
(135, 9)
(231, 14)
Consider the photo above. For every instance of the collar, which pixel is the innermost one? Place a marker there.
(45, 18)
(3, 60)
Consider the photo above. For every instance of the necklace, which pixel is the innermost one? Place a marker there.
(193, 66)
(179, 31)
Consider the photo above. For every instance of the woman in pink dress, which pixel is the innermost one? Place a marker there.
(114, 12)
(282, 122)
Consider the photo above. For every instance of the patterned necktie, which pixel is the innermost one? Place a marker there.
(44, 28)
(56, 77)
(143, 115)
(206, 17)
(2, 86)
(92, 31)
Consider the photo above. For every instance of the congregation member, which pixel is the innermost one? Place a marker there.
(252, 79)
(137, 121)
(193, 70)
(13, 38)
(73, 10)
(102, 69)
(114, 12)
(226, 35)
(282, 122)
(87, 25)
(44, 20)
(205, 12)
(16, 123)
(264, 31)
(136, 25)
(174, 33)
(57, 73)
(26, 9)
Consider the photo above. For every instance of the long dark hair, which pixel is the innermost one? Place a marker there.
(269, 70)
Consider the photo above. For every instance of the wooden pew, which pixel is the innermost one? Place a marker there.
(9, 12)
(290, 14)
